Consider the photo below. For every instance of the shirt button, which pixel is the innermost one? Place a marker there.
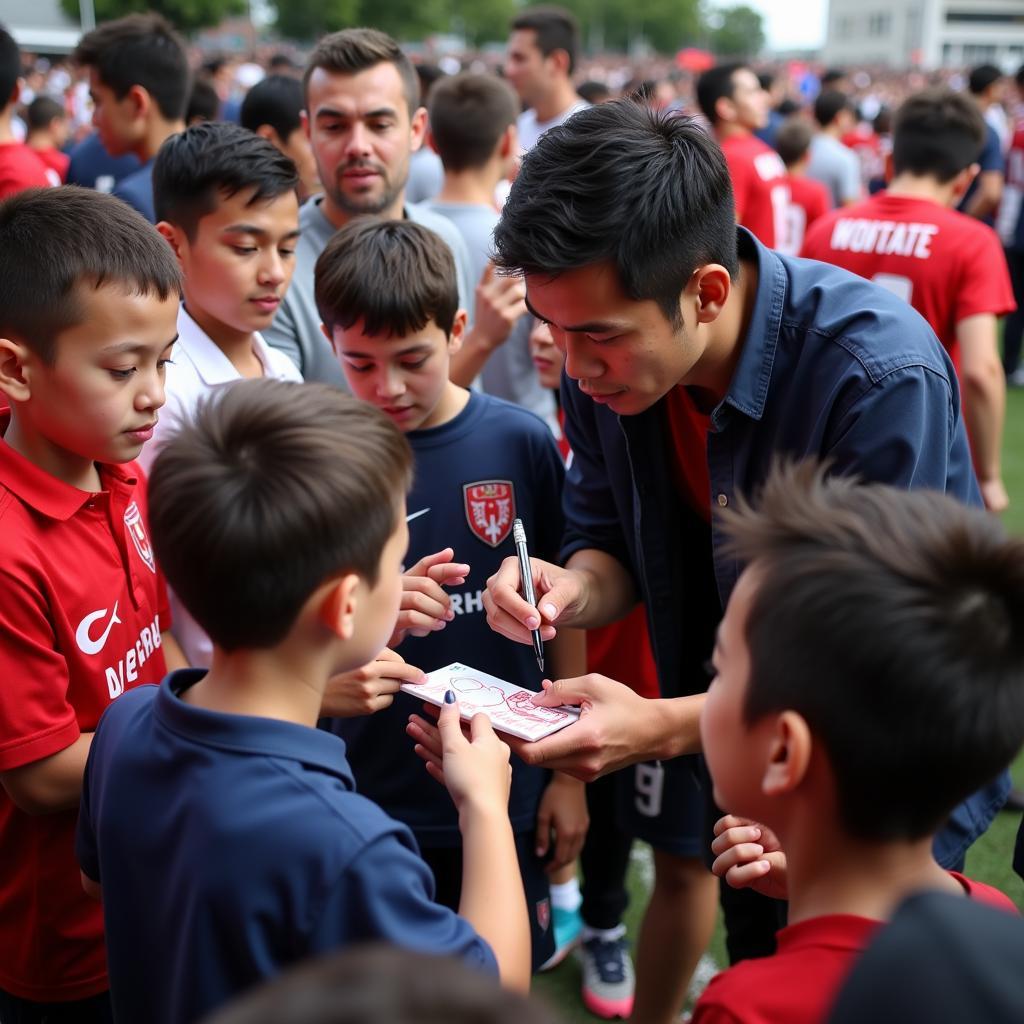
(722, 500)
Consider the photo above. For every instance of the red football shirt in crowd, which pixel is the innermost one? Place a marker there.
(808, 200)
(759, 186)
(946, 265)
(20, 168)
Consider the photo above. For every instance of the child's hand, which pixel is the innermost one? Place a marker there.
(368, 689)
(748, 856)
(500, 302)
(425, 607)
(562, 815)
(474, 768)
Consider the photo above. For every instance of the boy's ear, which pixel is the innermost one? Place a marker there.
(16, 363)
(789, 753)
(458, 332)
(338, 606)
(269, 132)
(141, 100)
(962, 182)
(174, 236)
(508, 143)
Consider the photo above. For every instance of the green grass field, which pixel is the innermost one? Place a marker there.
(989, 858)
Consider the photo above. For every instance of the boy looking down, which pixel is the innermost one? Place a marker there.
(853, 754)
(279, 518)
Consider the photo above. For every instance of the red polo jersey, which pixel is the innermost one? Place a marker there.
(759, 186)
(947, 265)
(82, 607)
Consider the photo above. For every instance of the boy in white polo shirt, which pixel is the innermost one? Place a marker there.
(225, 201)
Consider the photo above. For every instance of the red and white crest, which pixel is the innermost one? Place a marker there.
(543, 911)
(490, 509)
(137, 532)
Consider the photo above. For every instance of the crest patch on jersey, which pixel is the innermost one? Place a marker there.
(137, 532)
(490, 508)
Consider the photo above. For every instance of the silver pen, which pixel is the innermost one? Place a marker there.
(526, 575)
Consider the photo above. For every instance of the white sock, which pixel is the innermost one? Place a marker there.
(604, 934)
(566, 895)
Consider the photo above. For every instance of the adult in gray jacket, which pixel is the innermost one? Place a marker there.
(364, 120)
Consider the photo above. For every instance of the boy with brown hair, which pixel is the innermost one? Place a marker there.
(387, 293)
(853, 754)
(140, 84)
(220, 826)
(88, 301)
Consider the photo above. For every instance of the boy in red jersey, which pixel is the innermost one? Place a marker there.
(809, 199)
(88, 303)
(853, 754)
(20, 167)
(731, 98)
(948, 266)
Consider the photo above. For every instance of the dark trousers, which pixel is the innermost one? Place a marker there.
(94, 1010)
(1013, 328)
(605, 858)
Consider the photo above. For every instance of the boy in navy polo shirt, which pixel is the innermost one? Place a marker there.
(222, 828)
(88, 300)
(387, 294)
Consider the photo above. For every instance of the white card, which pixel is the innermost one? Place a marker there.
(509, 707)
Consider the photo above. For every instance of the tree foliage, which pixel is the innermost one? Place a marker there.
(185, 15)
(737, 31)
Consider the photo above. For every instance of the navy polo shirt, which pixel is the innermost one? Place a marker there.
(832, 366)
(136, 189)
(231, 846)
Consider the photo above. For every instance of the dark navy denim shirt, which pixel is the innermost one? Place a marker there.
(832, 366)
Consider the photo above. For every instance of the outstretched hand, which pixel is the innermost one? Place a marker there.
(560, 593)
(425, 607)
(748, 856)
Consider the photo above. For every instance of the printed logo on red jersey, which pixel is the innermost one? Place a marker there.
(490, 509)
(137, 531)
(86, 644)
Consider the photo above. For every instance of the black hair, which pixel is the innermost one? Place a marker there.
(195, 169)
(140, 49)
(890, 618)
(569, 206)
(468, 115)
(276, 101)
(937, 132)
(831, 76)
(429, 75)
(715, 84)
(983, 76)
(55, 242)
(272, 490)
(554, 28)
(593, 91)
(828, 105)
(394, 275)
(41, 113)
(793, 139)
(203, 102)
(10, 66)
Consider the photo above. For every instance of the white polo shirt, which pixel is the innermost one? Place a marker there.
(198, 368)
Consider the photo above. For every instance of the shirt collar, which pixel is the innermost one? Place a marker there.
(837, 931)
(748, 389)
(209, 360)
(248, 734)
(44, 492)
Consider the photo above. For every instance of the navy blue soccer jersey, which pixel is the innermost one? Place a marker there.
(473, 476)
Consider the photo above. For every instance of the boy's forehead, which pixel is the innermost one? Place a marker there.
(354, 339)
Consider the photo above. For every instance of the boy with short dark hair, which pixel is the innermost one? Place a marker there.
(473, 124)
(388, 297)
(48, 132)
(273, 108)
(220, 827)
(88, 301)
(938, 694)
(225, 201)
(140, 83)
(809, 199)
(948, 266)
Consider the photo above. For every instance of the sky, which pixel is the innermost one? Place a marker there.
(792, 24)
